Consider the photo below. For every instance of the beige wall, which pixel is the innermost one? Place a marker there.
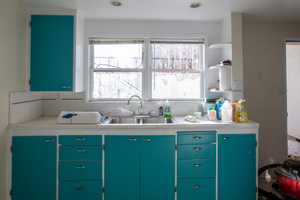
(11, 72)
(264, 80)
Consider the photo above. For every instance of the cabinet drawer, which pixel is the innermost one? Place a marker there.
(197, 151)
(197, 168)
(80, 140)
(80, 190)
(195, 189)
(80, 170)
(196, 137)
(73, 153)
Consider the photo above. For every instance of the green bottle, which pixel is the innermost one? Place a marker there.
(167, 110)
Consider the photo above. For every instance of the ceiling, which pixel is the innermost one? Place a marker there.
(176, 9)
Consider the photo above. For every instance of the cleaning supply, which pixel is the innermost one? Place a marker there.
(226, 112)
(167, 110)
(218, 108)
(212, 114)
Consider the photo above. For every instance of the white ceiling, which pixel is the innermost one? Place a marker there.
(176, 9)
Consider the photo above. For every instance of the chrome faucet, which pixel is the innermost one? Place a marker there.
(140, 101)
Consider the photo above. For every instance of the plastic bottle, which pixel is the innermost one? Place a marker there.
(167, 110)
(212, 114)
(218, 107)
(226, 112)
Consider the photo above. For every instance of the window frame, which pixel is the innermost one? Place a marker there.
(146, 70)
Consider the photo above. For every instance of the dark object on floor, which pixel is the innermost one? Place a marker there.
(286, 184)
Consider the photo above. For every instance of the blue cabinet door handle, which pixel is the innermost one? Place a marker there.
(196, 186)
(225, 138)
(48, 140)
(132, 139)
(147, 140)
(196, 165)
(197, 148)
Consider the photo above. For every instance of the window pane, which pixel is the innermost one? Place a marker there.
(176, 85)
(117, 84)
(118, 55)
(177, 57)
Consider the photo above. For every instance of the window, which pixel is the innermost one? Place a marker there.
(153, 69)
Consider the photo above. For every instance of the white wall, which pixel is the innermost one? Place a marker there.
(11, 73)
(293, 87)
(263, 45)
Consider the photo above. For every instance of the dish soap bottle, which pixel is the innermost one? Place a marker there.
(167, 112)
(226, 112)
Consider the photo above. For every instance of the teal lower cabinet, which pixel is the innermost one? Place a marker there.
(33, 168)
(197, 189)
(81, 190)
(237, 166)
(139, 167)
(80, 168)
(196, 173)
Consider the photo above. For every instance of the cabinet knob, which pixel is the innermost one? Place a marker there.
(197, 137)
(80, 139)
(196, 186)
(196, 165)
(132, 139)
(80, 150)
(48, 140)
(197, 148)
(225, 138)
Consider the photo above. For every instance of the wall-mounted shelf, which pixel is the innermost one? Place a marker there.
(220, 45)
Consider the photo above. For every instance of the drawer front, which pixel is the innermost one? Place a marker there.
(197, 151)
(202, 168)
(80, 140)
(84, 153)
(80, 170)
(196, 189)
(80, 190)
(196, 137)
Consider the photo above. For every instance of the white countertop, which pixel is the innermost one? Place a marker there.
(47, 124)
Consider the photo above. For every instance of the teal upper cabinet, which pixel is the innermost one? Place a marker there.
(237, 166)
(140, 167)
(34, 168)
(53, 56)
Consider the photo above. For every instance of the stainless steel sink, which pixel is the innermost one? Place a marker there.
(139, 119)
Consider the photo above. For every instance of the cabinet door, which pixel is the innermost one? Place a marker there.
(237, 167)
(52, 50)
(122, 168)
(34, 168)
(157, 167)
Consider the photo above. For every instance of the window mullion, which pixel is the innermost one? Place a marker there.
(147, 71)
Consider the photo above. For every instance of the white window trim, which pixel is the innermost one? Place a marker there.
(146, 72)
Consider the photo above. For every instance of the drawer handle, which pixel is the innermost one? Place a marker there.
(225, 138)
(197, 137)
(80, 139)
(80, 188)
(147, 140)
(196, 186)
(66, 86)
(132, 139)
(81, 150)
(48, 140)
(197, 148)
(80, 167)
(197, 165)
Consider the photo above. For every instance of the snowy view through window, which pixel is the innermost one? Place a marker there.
(175, 70)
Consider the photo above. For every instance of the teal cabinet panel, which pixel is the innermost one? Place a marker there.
(122, 167)
(196, 137)
(52, 53)
(197, 151)
(237, 166)
(197, 168)
(80, 153)
(34, 168)
(80, 170)
(196, 189)
(80, 190)
(80, 140)
(157, 167)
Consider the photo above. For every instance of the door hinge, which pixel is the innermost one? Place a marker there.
(176, 146)
(29, 82)
(103, 147)
(175, 188)
(11, 148)
(103, 189)
(30, 23)
(11, 193)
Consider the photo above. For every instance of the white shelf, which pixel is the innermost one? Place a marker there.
(220, 45)
(220, 66)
